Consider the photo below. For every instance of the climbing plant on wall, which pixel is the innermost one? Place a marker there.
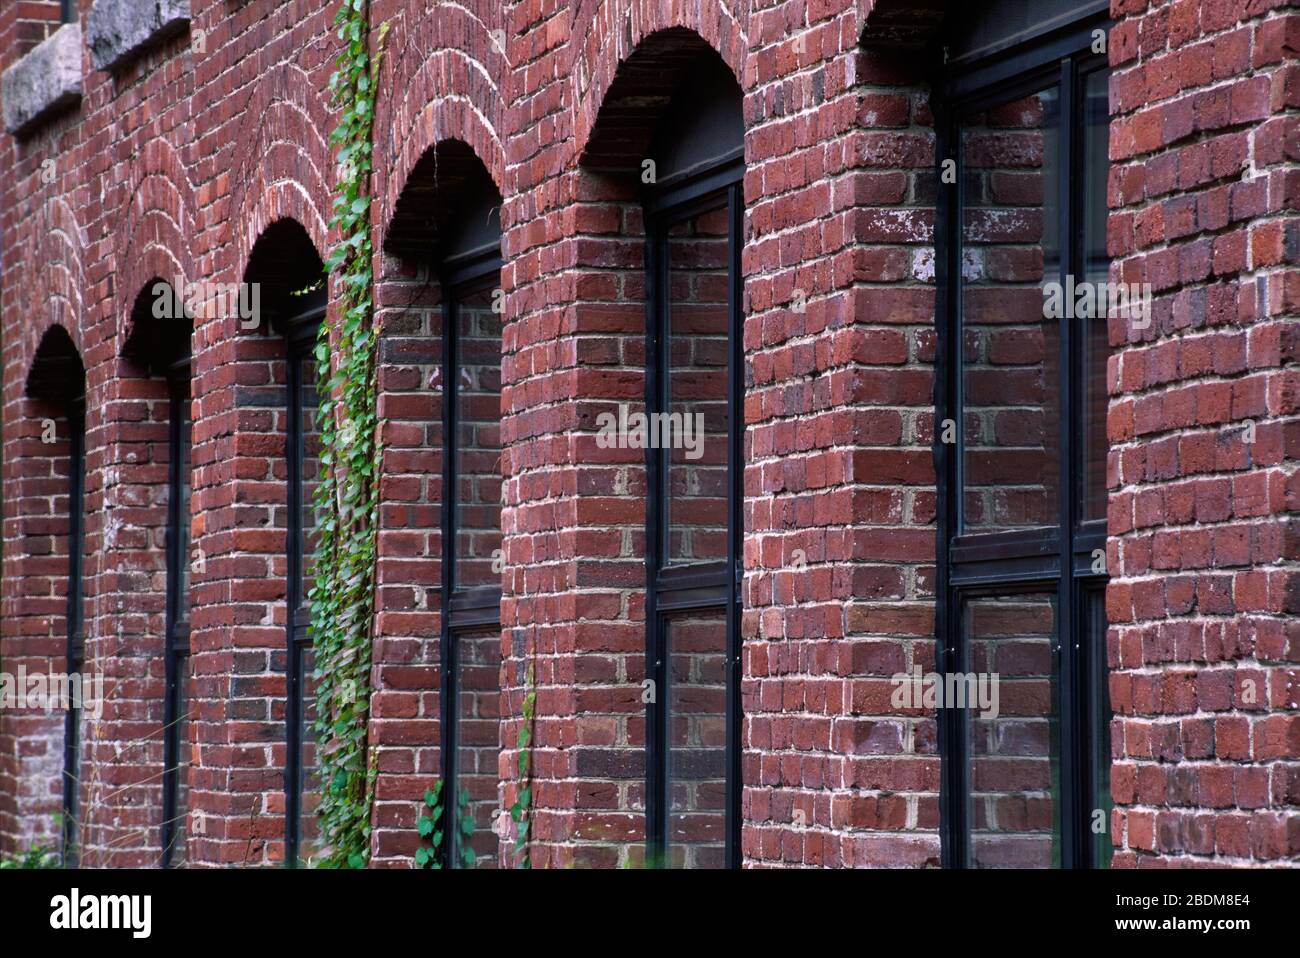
(342, 598)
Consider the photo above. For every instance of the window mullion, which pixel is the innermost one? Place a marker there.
(1067, 606)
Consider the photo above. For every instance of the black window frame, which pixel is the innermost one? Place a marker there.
(464, 609)
(704, 586)
(176, 649)
(1058, 561)
(301, 330)
(76, 647)
(67, 11)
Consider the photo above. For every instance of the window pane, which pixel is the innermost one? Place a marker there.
(1011, 417)
(1014, 748)
(310, 473)
(478, 440)
(1100, 716)
(180, 823)
(478, 710)
(72, 788)
(698, 327)
(1096, 347)
(76, 652)
(308, 779)
(696, 701)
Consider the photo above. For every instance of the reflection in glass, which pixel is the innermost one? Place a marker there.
(1100, 716)
(696, 719)
(1010, 248)
(176, 854)
(478, 441)
(478, 710)
(178, 745)
(308, 778)
(308, 475)
(1014, 776)
(1095, 338)
(698, 322)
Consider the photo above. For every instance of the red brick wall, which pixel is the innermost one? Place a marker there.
(839, 485)
(181, 163)
(1204, 589)
(35, 20)
(35, 615)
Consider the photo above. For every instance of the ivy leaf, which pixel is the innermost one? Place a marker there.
(424, 826)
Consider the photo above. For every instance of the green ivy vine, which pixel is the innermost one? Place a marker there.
(521, 810)
(346, 499)
(430, 826)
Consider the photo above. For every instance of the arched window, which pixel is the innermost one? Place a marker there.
(470, 271)
(177, 648)
(446, 226)
(284, 282)
(57, 380)
(1023, 112)
(160, 336)
(694, 212)
(302, 454)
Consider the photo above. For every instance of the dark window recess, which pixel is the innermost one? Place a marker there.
(302, 454)
(472, 557)
(177, 650)
(694, 224)
(76, 627)
(1023, 487)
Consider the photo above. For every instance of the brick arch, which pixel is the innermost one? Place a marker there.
(57, 352)
(54, 267)
(155, 242)
(283, 170)
(607, 36)
(453, 93)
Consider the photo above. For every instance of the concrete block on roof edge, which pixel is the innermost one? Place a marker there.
(118, 30)
(45, 81)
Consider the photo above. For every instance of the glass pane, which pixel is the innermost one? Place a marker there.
(1096, 344)
(696, 700)
(180, 823)
(1011, 417)
(76, 649)
(695, 431)
(478, 710)
(478, 440)
(72, 788)
(308, 779)
(310, 466)
(1100, 716)
(1013, 731)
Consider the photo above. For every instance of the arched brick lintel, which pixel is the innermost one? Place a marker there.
(611, 35)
